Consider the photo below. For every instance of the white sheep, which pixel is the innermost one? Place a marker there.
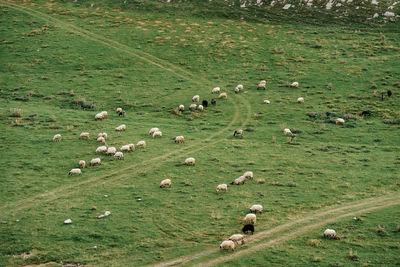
(179, 139)
(227, 244)
(196, 98)
(104, 135)
(339, 121)
(250, 218)
(75, 171)
(131, 146)
(111, 150)
(215, 90)
(157, 133)
(300, 100)
(266, 101)
(190, 161)
(101, 149)
(240, 180)
(166, 182)
(200, 107)
(249, 175)
(152, 130)
(237, 238)
(330, 233)
(57, 138)
(222, 187)
(141, 144)
(287, 131)
(237, 90)
(104, 113)
(82, 163)
(239, 86)
(84, 135)
(192, 106)
(99, 116)
(119, 155)
(67, 221)
(119, 110)
(101, 139)
(125, 148)
(122, 127)
(256, 207)
(223, 95)
(262, 85)
(238, 132)
(95, 161)
(295, 84)
(181, 107)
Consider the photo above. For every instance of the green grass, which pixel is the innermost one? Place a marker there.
(150, 62)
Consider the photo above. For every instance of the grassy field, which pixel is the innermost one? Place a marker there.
(64, 62)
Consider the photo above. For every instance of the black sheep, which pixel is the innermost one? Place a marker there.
(389, 93)
(382, 96)
(247, 228)
(213, 102)
(204, 103)
(122, 113)
(366, 112)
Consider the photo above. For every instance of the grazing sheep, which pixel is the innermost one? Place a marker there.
(75, 171)
(152, 130)
(295, 84)
(300, 100)
(179, 139)
(215, 90)
(256, 208)
(95, 161)
(330, 233)
(119, 155)
(366, 112)
(99, 116)
(339, 121)
(101, 149)
(287, 131)
(223, 95)
(157, 133)
(103, 135)
(101, 139)
(122, 113)
(111, 150)
(237, 90)
(240, 180)
(237, 238)
(239, 86)
(181, 107)
(131, 146)
(389, 93)
(227, 244)
(125, 148)
(196, 98)
(82, 163)
(222, 187)
(141, 144)
(247, 228)
(252, 218)
(119, 110)
(190, 161)
(84, 135)
(67, 221)
(57, 138)
(104, 113)
(266, 101)
(262, 85)
(248, 174)
(122, 127)
(200, 107)
(238, 132)
(204, 103)
(165, 183)
(192, 106)
(213, 102)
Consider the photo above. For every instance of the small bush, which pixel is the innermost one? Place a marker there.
(16, 112)
(353, 255)
(314, 243)
(83, 103)
(380, 230)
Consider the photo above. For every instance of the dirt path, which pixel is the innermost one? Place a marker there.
(302, 225)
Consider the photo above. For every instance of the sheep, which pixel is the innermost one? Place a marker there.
(262, 85)
(119, 155)
(339, 121)
(266, 101)
(192, 106)
(67, 221)
(57, 138)
(239, 86)
(157, 133)
(295, 84)
(101, 149)
(99, 116)
(252, 218)
(256, 207)
(247, 228)
(215, 90)
(152, 130)
(141, 144)
(84, 135)
(179, 139)
(204, 103)
(131, 146)
(237, 90)
(122, 127)
(95, 161)
(223, 95)
(101, 139)
(300, 100)
(125, 148)
(196, 98)
(330, 233)
(238, 132)
(190, 161)
(237, 238)
(389, 93)
(227, 244)
(104, 113)
(165, 183)
(200, 107)
(75, 171)
(103, 135)
(181, 107)
(248, 174)
(82, 163)
(222, 187)
(213, 102)
(119, 110)
(111, 150)
(240, 180)
(122, 113)
(287, 131)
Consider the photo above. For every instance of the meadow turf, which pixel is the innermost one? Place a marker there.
(64, 62)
